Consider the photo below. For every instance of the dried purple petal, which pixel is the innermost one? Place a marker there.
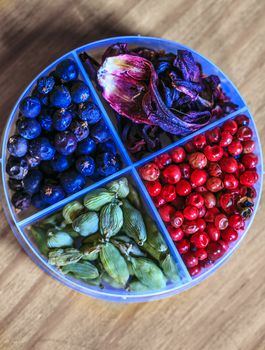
(115, 50)
(187, 66)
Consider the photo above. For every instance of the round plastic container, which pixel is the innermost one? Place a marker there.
(19, 223)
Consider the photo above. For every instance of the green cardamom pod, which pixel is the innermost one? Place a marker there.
(127, 248)
(40, 239)
(91, 252)
(155, 244)
(137, 286)
(97, 198)
(94, 282)
(170, 268)
(120, 187)
(86, 224)
(81, 270)
(59, 239)
(93, 239)
(110, 220)
(111, 282)
(62, 257)
(133, 223)
(69, 229)
(114, 263)
(134, 197)
(148, 273)
(52, 220)
(71, 211)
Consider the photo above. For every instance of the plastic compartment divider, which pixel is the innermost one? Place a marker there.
(106, 118)
(161, 225)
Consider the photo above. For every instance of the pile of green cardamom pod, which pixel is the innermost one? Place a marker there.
(106, 241)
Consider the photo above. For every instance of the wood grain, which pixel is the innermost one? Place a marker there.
(226, 312)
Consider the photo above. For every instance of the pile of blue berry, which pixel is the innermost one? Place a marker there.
(60, 141)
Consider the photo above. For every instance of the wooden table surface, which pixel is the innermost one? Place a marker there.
(227, 311)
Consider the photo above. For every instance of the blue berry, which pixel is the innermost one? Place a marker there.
(86, 146)
(67, 70)
(60, 97)
(108, 146)
(100, 132)
(61, 163)
(85, 165)
(62, 120)
(65, 143)
(80, 129)
(32, 161)
(28, 128)
(107, 163)
(72, 182)
(89, 111)
(15, 185)
(41, 148)
(45, 84)
(52, 193)
(44, 99)
(80, 92)
(45, 120)
(17, 168)
(46, 168)
(17, 146)
(30, 107)
(33, 181)
(37, 201)
(21, 200)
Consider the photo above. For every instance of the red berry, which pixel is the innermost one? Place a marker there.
(226, 202)
(198, 177)
(214, 169)
(230, 182)
(195, 270)
(248, 146)
(197, 160)
(231, 126)
(190, 227)
(176, 233)
(183, 188)
(185, 170)
(199, 141)
(213, 153)
(215, 251)
(221, 221)
(190, 260)
(178, 155)
(183, 246)
(229, 165)
(178, 203)
(206, 263)
(189, 147)
(241, 169)
(166, 212)
(168, 192)
(200, 240)
(163, 160)
(210, 214)
(244, 133)
(149, 172)
(153, 188)
(200, 189)
(177, 219)
(235, 148)
(249, 178)
(202, 211)
(201, 224)
(172, 174)
(209, 199)
(214, 184)
(236, 222)
(229, 234)
(212, 232)
(242, 120)
(159, 201)
(225, 245)
(190, 212)
(248, 191)
(201, 254)
(195, 199)
(250, 160)
(213, 136)
(226, 138)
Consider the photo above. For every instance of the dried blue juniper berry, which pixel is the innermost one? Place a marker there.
(85, 165)
(65, 143)
(80, 129)
(21, 200)
(107, 163)
(52, 193)
(80, 92)
(67, 70)
(62, 119)
(86, 146)
(32, 181)
(60, 97)
(72, 181)
(45, 120)
(17, 146)
(28, 128)
(17, 168)
(45, 84)
(60, 163)
(41, 148)
(30, 107)
(89, 112)
(100, 132)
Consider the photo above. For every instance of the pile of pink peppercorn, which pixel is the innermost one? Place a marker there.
(204, 191)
